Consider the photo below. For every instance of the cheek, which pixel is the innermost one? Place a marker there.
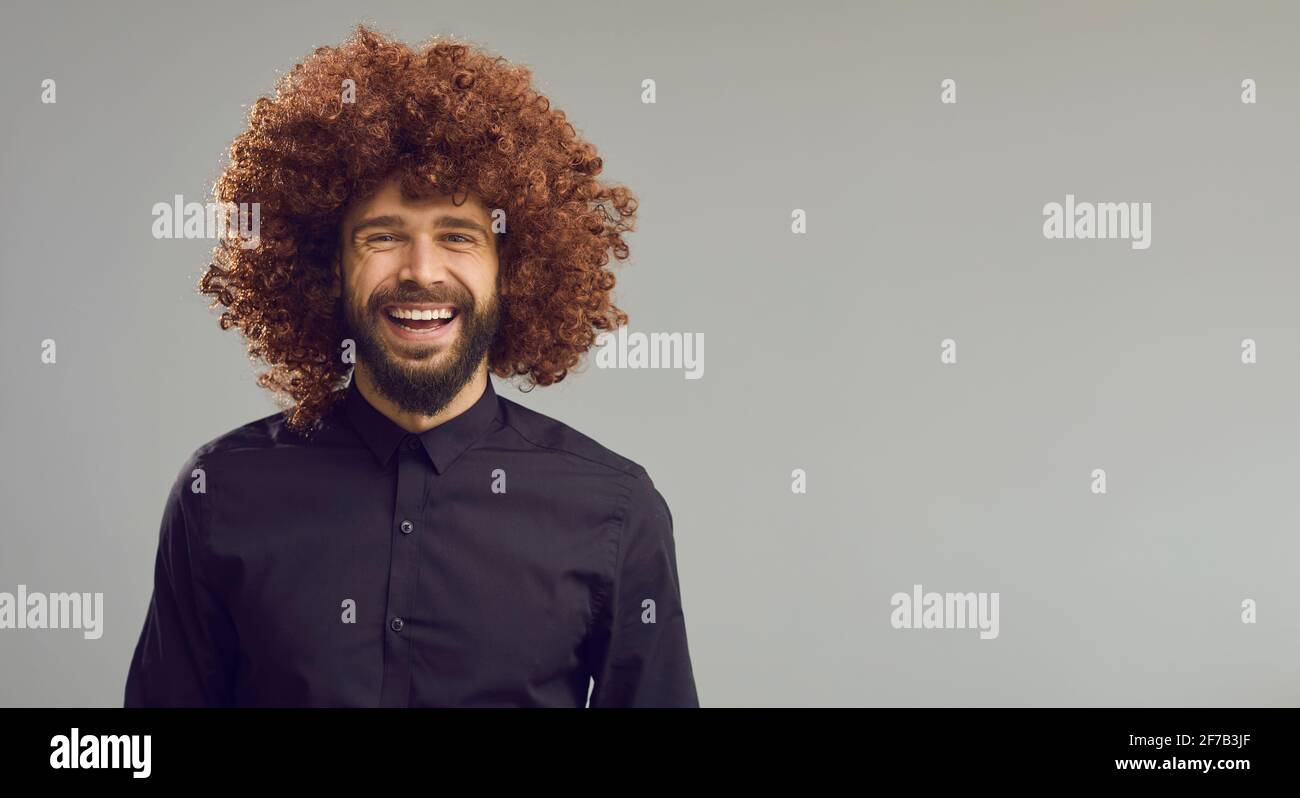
(485, 283)
(365, 276)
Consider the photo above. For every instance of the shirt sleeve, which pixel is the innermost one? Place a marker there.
(641, 657)
(186, 651)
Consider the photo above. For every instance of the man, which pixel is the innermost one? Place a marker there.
(412, 538)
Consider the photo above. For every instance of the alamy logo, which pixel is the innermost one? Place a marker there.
(53, 611)
(1131, 220)
(94, 751)
(656, 350)
(211, 220)
(945, 611)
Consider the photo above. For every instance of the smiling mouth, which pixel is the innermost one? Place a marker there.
(420, 318)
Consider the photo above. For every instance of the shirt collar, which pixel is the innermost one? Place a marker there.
(443, 443)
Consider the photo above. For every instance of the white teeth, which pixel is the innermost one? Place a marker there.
(420, 315)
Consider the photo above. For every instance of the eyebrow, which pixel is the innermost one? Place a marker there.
(444, 221)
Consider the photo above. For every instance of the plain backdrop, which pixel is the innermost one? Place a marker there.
(821, 350)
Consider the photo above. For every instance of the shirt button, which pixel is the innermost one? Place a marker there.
(412, 443)
(396, 624)
(407, 526)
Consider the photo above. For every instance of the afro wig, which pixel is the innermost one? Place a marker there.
(446, 118)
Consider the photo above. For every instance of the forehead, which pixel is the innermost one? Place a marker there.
(388, 199)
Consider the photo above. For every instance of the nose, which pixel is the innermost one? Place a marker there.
(425, 262)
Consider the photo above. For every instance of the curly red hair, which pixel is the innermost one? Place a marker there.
(447, 118)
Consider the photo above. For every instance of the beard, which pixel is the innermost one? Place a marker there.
(422, 379)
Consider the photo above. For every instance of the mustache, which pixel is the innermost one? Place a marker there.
(461, 301)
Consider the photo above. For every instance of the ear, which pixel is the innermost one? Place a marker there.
(336, 276)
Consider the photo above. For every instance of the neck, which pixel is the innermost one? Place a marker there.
(418, 422)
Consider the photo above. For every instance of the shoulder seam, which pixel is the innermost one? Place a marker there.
(636, 472)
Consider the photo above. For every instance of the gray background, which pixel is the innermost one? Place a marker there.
(821, 351)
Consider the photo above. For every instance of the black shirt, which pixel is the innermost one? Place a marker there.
(498, 559)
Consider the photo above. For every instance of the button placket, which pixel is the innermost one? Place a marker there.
(412, 473)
